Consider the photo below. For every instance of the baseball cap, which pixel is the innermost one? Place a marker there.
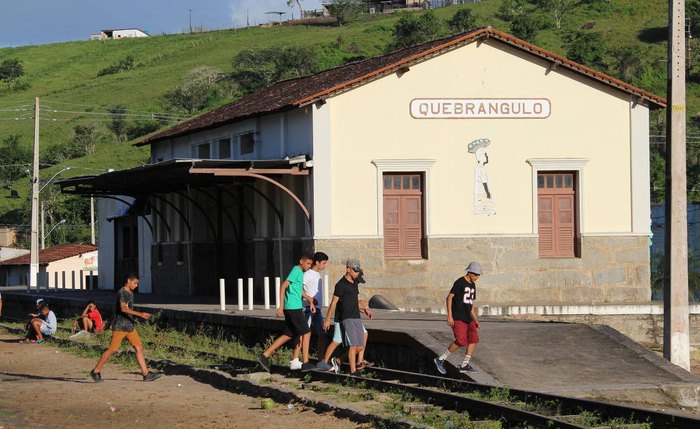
(39, 301)
(474, 267)
(354, 264)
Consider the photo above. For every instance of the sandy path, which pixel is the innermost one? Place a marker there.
(43, 386)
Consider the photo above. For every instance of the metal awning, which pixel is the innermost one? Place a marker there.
(180, 174)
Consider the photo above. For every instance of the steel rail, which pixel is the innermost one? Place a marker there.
(475, 407)
(568, 404)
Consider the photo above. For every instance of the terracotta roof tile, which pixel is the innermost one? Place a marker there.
(52, 254)
(293, 93)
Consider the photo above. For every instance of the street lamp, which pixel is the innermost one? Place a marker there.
(60, 222)
(43, 217)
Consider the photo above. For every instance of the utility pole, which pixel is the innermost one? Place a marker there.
(92, 220)
(34, 248)
(190, 10)
(676, 314)
(43, 221)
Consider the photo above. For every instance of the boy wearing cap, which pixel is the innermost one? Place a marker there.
(345, 304)
(292, 293)
(461, 317)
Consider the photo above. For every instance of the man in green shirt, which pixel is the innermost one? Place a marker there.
(291, 293)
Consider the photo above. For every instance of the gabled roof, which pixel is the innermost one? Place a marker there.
(294, 93)
(52, 254)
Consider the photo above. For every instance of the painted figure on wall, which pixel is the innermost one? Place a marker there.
(484, 202)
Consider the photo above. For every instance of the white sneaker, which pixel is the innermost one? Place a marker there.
(78, 334)
(295, 364)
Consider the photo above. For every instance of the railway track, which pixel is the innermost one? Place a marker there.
(513, 408)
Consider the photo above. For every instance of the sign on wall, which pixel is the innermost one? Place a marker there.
(480, 108)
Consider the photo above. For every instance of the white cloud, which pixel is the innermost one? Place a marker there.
(254, 10)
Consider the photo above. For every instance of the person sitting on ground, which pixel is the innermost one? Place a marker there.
(90, 322)
(42, 326)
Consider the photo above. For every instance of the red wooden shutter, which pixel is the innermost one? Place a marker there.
(392, 226)
(545, 219)
(411, 207)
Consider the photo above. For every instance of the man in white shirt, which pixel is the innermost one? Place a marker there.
(313, 287)
(43, 326)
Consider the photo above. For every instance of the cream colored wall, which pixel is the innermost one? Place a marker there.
(588, 121)
(71, 264)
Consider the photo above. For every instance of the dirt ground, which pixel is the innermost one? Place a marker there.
(43, 386)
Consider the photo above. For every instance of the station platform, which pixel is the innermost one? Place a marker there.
(571, 359)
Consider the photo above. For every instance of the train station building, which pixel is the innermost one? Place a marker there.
(478, 146)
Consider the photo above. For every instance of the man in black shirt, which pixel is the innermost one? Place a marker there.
(123, 327)
(461, 317)
(345, 304)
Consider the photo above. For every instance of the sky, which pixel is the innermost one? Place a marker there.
(38, 22)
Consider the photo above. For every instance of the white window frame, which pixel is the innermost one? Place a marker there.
(559, 164)
(403, 166)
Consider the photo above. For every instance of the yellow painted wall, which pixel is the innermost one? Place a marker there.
(588, 120)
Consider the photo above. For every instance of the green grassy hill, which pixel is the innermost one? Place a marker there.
(64, 75)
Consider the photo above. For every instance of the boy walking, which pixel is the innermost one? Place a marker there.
(461, 317)
(124, 327)
(347, 312)
(313, 287)
(291, 293)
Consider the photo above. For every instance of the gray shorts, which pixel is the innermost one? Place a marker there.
(353, 332)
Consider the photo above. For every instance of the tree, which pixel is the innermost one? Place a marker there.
(462, 21)
(15, 157)
(511, 9)
(413, 29)
(586, 48)
(118, 123)
(291, 3)
(254, 69)
(558, 9)
(10, 71)
(692, 13)
(629, 62)
(345, 10)
(525, 27)
(198, 89)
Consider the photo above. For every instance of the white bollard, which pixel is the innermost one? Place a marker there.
(326, 297)
(72, 279)
(240, 294)
(222, 294)
(63, 279)
(277, 293)
(266, 291)
(250, 293)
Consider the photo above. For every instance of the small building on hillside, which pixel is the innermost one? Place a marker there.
(119, 33)
(478, 146)
(65, 265)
